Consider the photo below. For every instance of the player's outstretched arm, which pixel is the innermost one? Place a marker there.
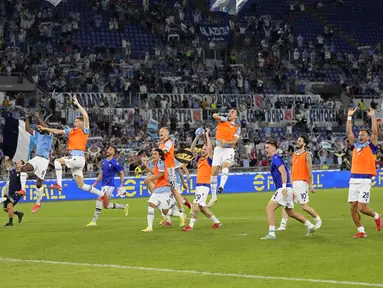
(192, 147)
(148, 168)
(28, 125)
(82, 111)
(41, 121)
(350, 134)
(8, 163)
(374, 127)
(52, 130)
(208, 143)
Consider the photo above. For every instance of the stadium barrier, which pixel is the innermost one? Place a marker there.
(237, 183)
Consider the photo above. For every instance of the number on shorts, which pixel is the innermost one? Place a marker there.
(197, 197)
(303, 196)
(168, 202)
(43, 173)
(366, 195)
(275, 195)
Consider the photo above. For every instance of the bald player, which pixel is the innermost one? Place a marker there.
(362, 170)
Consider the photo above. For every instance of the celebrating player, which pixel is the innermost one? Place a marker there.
(167, 145)
(110, 167)
(302, 177)
(14, 190)
(362, 170)
(204, 172)
(228, 132)
(284, 195)
(161, 197)
(39, 164)
(77, 139)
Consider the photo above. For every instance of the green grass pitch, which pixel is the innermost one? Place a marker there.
(218, 258)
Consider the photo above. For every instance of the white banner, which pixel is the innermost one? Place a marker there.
(125, 115)
(54, 2)
(292, 99)
(323, 115)
(183, 115)
(279, 115)
(87, 100)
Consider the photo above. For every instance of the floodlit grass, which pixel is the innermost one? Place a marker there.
(57, 232)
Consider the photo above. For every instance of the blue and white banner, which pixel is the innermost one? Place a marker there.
(237, 183)
(323, 115)
(216, 33)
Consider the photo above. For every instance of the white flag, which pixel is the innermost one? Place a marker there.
(54, 2)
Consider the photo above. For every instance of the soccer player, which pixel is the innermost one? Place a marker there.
(302, 177)
(161, 197)
(39, 164)
(110, 167)
(362, 170)
(14, 190)
(77, 139)
(227, 136)
(204, 172)
(284, 195)
(167, 145)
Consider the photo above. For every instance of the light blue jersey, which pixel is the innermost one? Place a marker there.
(77, 152)
(178, 177)
(43, 144)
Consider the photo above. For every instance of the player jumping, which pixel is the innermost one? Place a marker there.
(301, 174)
(227, 136)
(284, 195)
(204, 172)
(109, 169)
(362, 170)
(14, 190)
(77, 139)
(39, 164)
(161, 197)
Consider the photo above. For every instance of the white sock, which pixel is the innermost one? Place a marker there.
(284, 222)
(224, 176)
(168, 219)
(23, 180)
(361, 229)
(376, 215)
(308, 224)
(59, 173)
(91, 189)
(115, 206)
(213, 186)
(174, 212)
(214, 219)
(317, 218)
(150, 217)
(272, 230)
(192, 222)
(97, 211)
(39, 195)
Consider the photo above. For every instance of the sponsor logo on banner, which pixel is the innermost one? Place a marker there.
(216, 33)
(183, 115)
(323, 115)
(292, 99)
(278, 115)
(88, 100)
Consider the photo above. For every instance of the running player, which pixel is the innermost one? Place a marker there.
(110, 167)
(161, 197)
(302, 177)
(362, 170)
(14, 190)
(39, 164)
(204, 173)
(284, 195)
(228, 132)
(77, 139)
(167, 145)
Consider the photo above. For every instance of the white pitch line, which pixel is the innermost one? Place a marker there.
(195, 272)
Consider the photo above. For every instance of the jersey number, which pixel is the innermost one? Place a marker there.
(304, 196)
(197, 197)
(366, 195)
(275, 195)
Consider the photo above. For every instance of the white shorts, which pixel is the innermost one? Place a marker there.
(172, 179)
(222, 155)
(288, 201)
(76, 164)
(40, 166)
(301, 192)
(108, 190)
(163, 200)
(179, 188)
(360, 191)
(201, 195)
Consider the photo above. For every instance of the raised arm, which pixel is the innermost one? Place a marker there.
(148, 168)
(28, 125)
(208, 143)
(82, 110)
(41, 121)
(192, 147)
(350, 134)
(374, 127)
(52, 130)
(217, 117)
(8, 163)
